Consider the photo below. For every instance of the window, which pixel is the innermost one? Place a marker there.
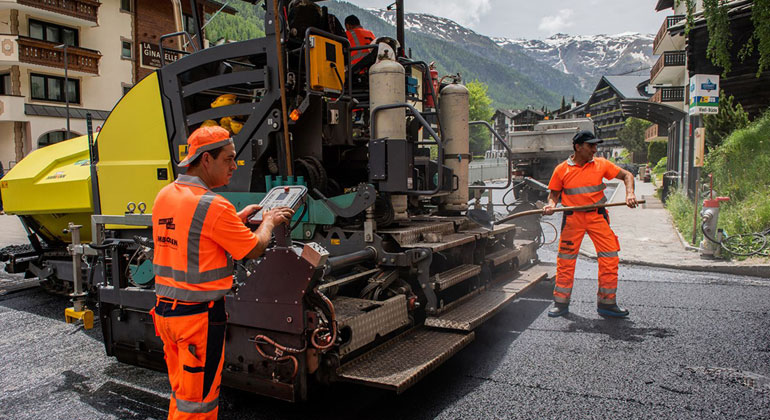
(48, 139)
(5, 84)
(51, 32)
(126, 49)
(125, 5)
(51, 88)
(189, 24)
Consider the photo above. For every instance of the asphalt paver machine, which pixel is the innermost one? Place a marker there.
(380, 277)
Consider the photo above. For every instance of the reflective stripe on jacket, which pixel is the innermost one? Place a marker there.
(188, 265)
(582, 185)
(359, 37)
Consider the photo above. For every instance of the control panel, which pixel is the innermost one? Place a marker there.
(291, 196)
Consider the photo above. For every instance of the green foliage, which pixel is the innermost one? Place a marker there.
(741, 170)
(760, 38)
(660, 167)
(720, 42)
(631, 136)
(656, 151)
(247, 24)
(480, 110)
(682, 211)
(731, 117)
(690, 12)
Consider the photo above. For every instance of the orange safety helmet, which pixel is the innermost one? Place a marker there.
(205, 139)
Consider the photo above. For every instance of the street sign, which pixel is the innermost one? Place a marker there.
(704, 94)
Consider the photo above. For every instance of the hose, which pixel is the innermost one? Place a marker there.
(279, 351)
(332, 321)
(757, 248)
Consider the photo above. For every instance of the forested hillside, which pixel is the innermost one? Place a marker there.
(508, 87)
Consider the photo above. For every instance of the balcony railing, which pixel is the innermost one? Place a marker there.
(83, 9)
(34, 51)
(667, 24)
(655, 131)
(668, 59)
(669, 94)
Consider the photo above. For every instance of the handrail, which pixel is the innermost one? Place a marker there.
(509, 155)
(163, 37)
(439, 161)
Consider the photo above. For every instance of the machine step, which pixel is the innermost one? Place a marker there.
(444, 242)
(449, 278)
(502, 256)
(404, 360)
(467, 314)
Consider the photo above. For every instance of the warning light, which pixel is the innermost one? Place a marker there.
(588, 115)
(295, 115)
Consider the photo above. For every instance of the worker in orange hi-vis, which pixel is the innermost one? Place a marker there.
(197, 233)
(578, 182)
(358, 37)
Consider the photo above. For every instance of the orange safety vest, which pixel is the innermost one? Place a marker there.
(359, 37)
(195, 232)
(582, 185)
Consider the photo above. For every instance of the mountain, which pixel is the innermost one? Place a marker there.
(538, 71)
(589, 57)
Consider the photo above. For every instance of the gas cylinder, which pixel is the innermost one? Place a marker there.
(387, 86)
(455, 134)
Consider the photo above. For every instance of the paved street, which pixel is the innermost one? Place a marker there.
(697, 345)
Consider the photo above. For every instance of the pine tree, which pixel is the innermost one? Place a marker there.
(563, 105)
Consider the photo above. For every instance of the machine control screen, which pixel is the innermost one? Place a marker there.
(292, 196)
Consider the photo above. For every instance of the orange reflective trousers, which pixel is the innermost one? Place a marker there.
(574, 226)
(193, 335)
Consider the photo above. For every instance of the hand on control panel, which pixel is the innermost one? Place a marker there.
(278, 215)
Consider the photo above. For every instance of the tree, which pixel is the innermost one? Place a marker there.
(480, 110)
(731, 117)
(631, 136)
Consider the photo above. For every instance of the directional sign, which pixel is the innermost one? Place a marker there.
(704, 94)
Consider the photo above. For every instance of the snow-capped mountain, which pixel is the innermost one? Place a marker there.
(586, 57)
(589, 57)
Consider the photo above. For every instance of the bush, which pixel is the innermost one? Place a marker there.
(657, 150)
(681, 208)
(660, 168)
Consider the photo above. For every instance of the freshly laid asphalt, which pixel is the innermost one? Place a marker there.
(697, 345)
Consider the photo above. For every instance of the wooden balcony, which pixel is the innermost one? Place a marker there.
(43, 53)
(656, 132)
(663, 31)
(81, 9)
(668, 94)
(669, 65)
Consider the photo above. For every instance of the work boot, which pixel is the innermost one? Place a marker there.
(559, 309)
(613, 310)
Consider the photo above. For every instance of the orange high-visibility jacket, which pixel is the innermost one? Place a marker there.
(582, 185)
(359, 37)
(196, 233)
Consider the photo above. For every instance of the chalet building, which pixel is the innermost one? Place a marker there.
(603, 107)
(110, 45)
(681, 57)
(509, 120)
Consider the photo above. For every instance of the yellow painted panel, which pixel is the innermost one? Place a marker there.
(133, 148)
(52, 179)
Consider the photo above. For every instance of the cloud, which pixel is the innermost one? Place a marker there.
(464, 12)
(556, 23)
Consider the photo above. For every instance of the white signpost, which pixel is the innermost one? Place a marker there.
(704, 94)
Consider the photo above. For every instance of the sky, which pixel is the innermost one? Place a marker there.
(540, 19)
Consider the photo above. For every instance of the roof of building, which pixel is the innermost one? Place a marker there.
(225, 8)
(61, 112)
(664, 4)
(513, 113)
(626, 86)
